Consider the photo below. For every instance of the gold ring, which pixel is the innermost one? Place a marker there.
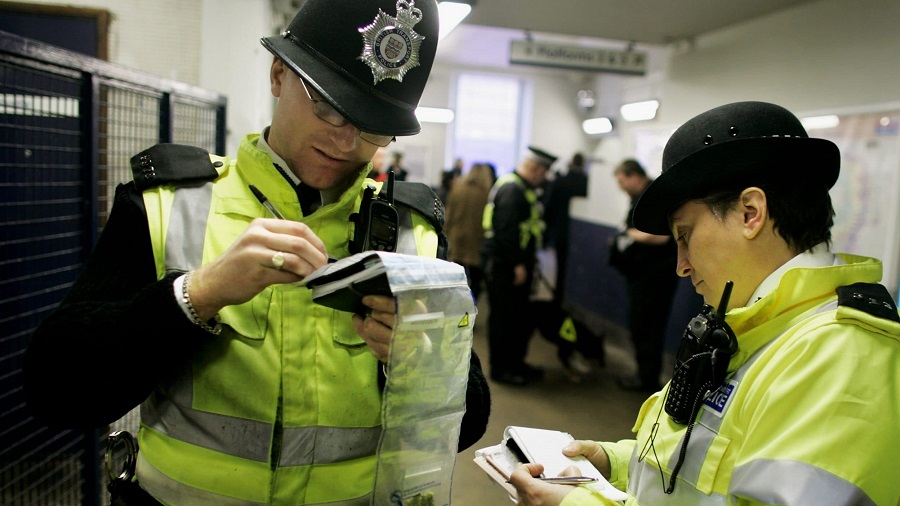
(278, 260)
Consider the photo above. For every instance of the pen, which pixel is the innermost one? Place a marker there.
(265, 202)
(274, 212)
(566, 480)
(569, 480)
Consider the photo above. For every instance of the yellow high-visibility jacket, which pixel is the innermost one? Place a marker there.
(809, 415)
(530, 225)
(284, 406)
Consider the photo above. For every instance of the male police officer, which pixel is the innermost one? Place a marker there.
(807, 410)
(250, 392)
(513, 233)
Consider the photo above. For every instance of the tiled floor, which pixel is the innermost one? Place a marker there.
(595, 408)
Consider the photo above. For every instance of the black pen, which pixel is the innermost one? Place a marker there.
(265, 202)
(274, 212)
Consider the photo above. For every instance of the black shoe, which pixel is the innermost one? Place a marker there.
(509, 378)
(634, 384)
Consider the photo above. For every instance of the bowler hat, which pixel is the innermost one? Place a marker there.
(369, 59)
(735, 145)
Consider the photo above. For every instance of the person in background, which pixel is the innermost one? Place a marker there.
(796, 398)
(379, 171)
(463, 214)
(646, 261)
(400, 173)
(250, 393)
(564, 187)
(448, 179)
(513, 233)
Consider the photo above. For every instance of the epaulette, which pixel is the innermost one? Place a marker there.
(872, 298)
(421, 198)
(172, 163)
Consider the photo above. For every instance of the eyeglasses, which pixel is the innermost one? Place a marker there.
(327, 113)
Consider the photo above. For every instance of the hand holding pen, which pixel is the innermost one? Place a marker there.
(275, 214)
(267, 252)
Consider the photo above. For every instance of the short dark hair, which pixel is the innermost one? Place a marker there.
(802, 218)
(630, 167)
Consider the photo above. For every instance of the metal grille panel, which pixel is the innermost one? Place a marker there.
(69, 126)
(128, 123)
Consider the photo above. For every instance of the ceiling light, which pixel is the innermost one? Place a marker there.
(596, 126)
(434, 115)
(820, 122)
(451, 14)
(639, 111)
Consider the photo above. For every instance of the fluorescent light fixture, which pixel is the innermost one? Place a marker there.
(595, 126)
(451, 14)
(820, 122)
(434, 115)
(639, 111)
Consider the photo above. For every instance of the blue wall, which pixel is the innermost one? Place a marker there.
(592, 286)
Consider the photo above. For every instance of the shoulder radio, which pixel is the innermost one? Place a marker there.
(701, 363)
(378, 222)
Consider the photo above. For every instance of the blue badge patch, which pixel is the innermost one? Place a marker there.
(718, 400)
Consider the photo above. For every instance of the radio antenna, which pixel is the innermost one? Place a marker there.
(390, 187)
(723, 303)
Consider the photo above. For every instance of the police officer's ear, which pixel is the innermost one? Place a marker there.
(754, 211)
(276, 76)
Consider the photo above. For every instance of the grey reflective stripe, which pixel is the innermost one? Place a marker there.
(163, 488)
(406, 240)
(250, 439)
(242, 438)
(186, 234)
(794, 483)
(327, 445)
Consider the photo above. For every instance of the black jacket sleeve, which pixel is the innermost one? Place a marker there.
(116, 335)
(478, 406)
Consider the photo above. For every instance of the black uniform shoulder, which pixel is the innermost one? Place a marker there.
(172, 163)
(422, 199)
(872, 298)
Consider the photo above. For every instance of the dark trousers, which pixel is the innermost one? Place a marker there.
(509, 326)
(649, 304)
(475, 277)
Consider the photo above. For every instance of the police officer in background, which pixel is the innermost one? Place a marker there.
(793, 388)
(250, 393)
(513, 234)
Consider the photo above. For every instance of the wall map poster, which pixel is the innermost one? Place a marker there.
(865, 197)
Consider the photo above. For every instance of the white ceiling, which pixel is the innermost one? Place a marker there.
(483, 38)
(642, 21)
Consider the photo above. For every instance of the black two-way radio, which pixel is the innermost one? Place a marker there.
(701, 363)
(377, 222)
